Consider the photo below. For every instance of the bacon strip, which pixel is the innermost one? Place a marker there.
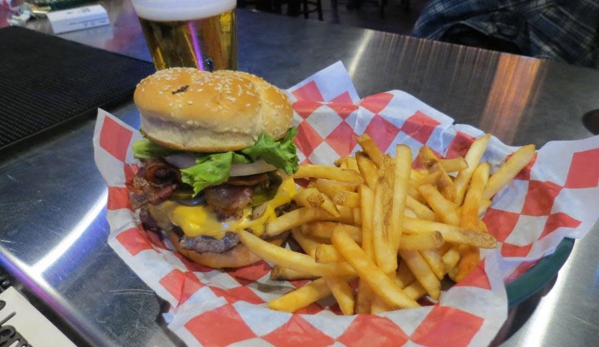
(153, 183)
(227, 199)
(151, 195)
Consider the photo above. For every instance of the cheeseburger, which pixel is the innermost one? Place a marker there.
(216, 154)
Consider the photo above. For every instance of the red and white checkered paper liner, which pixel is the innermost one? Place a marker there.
(552, 198)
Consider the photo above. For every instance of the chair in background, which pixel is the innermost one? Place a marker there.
(355, 4)
(294, 7)
(318, 8)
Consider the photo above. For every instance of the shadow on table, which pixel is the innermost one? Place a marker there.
(519, 314)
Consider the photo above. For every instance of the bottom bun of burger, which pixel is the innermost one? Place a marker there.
(237, 256)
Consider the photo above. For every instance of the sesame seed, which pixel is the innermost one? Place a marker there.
(190, 102)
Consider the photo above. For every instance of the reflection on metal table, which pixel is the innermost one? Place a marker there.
(54, 231)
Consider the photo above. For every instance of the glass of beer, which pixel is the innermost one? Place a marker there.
(190, 33)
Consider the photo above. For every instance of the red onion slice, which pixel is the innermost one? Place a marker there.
(182, 161)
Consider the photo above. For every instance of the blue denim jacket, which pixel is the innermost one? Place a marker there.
(561, 30)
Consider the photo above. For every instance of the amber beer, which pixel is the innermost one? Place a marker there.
(190, 33)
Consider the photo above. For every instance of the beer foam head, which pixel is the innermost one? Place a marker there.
(181, 10)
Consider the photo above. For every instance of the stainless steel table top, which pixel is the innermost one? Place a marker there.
(53, 232)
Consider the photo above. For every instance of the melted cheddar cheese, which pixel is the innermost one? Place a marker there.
(199, 220)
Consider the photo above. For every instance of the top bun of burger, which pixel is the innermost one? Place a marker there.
(191, 110)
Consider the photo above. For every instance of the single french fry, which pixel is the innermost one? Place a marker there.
(474, 196)
(482, 209)
(352, 164)
(404, 276)
(349, 199)
(342, 293)
(371, 149)
(305, 215)
(327, 254)
(469, 259)
(306, 243)
(421, 210)
(346, 162)
(341, 161)
(364, 297)
(422, 272)
(446, 247)
(470, 256)
(382, 285)
(416, 175)
(444, 208)
(309, 197)
(451, 258)
(301, 297)
(408, 212)
(379, 306)
(415, 290)
(420, 242)
(427, 157)
(473, 157)
(365, 294)
(450, 233)
(329, 206)
(445, 184)
(484, 206)
(293, 260)
(434, 261)
(454, 164)
(368, 169)
(509, 170)
(401, 178)
(328, 172)
(453, 273)
(324, 230)
(482, 226)
(432, 178)
(312, 197)
(279, 273)
(331, 187)
(385, 251)
(413, 193)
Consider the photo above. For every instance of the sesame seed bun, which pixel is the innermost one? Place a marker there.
(191, 110)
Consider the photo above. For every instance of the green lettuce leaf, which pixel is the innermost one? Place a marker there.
(282, 153)
(210, 170)
(146, 149)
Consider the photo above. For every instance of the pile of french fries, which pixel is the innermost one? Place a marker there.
(397, 230)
